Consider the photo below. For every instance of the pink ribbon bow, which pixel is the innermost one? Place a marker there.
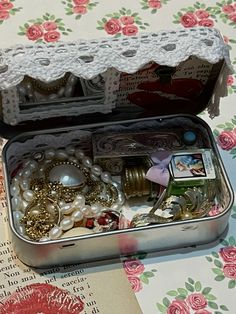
(159, 173)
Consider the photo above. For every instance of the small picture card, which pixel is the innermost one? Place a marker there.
(192, 165)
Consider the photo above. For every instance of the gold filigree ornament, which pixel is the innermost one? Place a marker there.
(192, 204)
(198, 204)
(40, 217)
(43, 212)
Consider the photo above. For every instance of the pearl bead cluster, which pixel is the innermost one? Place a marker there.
(71, 213)
(28, 93)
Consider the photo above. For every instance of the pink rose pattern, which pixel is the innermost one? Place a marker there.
(78, 7)
(201, 15)
(197, 301)
(7, 9)
(197, 15)
(227, 139)
(49, 29)
(133, 267)
(226, 10)
(46, 29)
(225, 262)
(231, 83)
(203, 312)
(225, 133)
(135, 282)
(153, 5)
(178, 306)
(124, 22)
(136, 273)
(192, 298)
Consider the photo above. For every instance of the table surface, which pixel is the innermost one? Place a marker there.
(204, 277)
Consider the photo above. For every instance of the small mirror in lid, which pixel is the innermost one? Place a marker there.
(159, 73)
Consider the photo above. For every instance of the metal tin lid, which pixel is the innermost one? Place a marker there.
(167, 72)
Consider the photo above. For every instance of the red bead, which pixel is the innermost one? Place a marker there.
(109, 218)
(89, 223)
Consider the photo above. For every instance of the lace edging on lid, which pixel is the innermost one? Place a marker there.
(87, 59)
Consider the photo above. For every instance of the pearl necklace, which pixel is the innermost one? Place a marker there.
(34, 91)
(57, 189)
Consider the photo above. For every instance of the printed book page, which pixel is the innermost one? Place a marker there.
(87, 289)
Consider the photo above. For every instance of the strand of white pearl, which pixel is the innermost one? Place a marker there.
(73, 212)
(22, 195)
(96, 173)
(26, 90)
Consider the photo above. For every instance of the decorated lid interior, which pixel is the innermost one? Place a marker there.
(167, 72)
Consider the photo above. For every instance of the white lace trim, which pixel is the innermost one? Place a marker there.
(87, 59)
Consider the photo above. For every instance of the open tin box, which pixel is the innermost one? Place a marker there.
(130, 106)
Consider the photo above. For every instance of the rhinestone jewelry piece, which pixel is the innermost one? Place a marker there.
(192, 204)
